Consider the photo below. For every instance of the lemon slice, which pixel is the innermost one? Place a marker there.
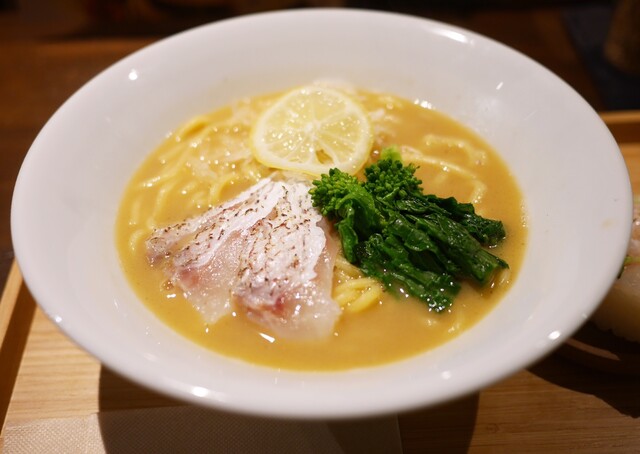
(312, 129)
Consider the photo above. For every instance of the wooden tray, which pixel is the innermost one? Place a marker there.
(555, 405)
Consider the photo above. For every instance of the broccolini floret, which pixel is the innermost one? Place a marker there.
(341, 197)
(389, 180)
(406, 239)
(393, 182)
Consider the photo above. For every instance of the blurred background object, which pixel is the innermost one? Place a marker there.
(596, 37)
(140, 16)
(622, 47)
(605, 35)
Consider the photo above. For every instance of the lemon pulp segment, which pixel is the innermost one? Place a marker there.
(312, 129)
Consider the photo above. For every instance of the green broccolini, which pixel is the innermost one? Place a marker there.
(422, 244)
(342, 198)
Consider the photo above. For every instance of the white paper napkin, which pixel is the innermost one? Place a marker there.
(189, 429)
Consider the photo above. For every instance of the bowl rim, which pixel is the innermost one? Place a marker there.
(147, 378)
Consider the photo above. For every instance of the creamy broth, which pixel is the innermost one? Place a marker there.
(175, 182)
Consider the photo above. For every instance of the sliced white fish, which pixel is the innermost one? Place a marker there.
(164, 241)
(268, 252)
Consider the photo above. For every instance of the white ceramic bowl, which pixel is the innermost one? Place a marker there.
(575, 183)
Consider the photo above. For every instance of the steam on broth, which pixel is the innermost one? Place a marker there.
(208, 161)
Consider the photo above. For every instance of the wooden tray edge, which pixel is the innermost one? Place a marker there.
(624, 125)
(9, 299)
(16, 315)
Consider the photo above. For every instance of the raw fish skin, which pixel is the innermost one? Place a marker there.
(268, 253)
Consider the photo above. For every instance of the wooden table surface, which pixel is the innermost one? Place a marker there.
(554, 406)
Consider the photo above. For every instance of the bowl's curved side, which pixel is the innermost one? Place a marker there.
(71, 182)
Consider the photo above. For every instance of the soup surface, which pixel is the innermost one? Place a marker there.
(208, 160)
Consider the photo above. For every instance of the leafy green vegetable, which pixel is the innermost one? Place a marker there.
(341, 197)
(412, 242)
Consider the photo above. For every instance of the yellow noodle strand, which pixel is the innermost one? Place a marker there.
(198, 199)
(135, 216)
(190, 186)
(478, 191)
(216, 188)
(169, 171)
(478, 188)
(169, 153)
(343, 299)
(191, 126)
(343, 265)
(357, 294)
(136, 237)
(161, 200)
(474, 155)
(365, 300)
(356, 284)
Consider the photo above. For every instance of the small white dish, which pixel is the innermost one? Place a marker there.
(575, 183)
